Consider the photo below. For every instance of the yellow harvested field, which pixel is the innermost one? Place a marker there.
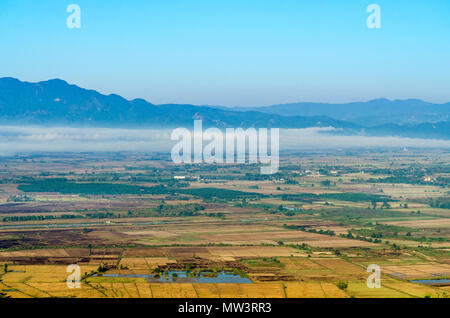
(313, 290)
(340, 266)
(145, 262)
(252, 251)
(37, 253)
(434, 223)
(173, 291)
(266, 290)
(360, 289)
(418, 271)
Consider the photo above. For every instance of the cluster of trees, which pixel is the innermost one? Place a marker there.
(384, 205)
(325, 232)
(179, 210)
(304, 229)
(342, 285)
(440, 203)
(349, 235)
(39, 217)
(20, 198)
(102, 215)
(355, 197)
(301, 197)
(351, 197)
(208, 193)
(326, 183)
(379, 231)
(272, 260)
(63, 186)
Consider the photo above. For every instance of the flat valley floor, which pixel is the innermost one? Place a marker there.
(139, 226)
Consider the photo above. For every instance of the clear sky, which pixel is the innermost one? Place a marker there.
(233, 52)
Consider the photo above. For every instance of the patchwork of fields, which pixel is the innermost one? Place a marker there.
(140, 226)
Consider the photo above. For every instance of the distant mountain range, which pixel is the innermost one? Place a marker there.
(57, 103)
(374, 112)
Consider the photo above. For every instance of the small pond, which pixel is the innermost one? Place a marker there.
(187, 277)
(436, 282)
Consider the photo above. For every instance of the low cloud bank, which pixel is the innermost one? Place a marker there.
(322, 138)
(15, 139)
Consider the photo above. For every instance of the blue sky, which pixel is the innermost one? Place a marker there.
(234, 52)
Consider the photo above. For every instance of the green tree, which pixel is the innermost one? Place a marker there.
(374, 204)
(342, 285)
(325, 183)
(386, 205)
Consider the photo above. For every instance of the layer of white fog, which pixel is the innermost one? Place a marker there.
(14, 139)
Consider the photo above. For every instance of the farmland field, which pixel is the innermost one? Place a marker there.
(136, 229)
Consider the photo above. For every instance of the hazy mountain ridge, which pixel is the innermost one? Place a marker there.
(375, 112)
(58, 103)
(55, 102)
